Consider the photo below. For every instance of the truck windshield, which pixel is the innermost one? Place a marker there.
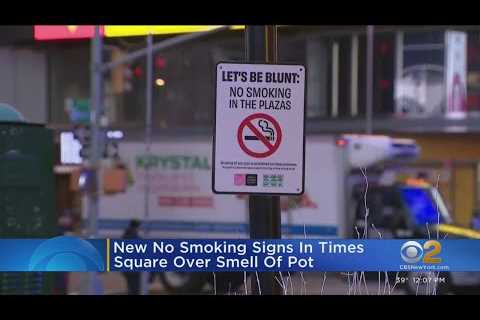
(425, 205)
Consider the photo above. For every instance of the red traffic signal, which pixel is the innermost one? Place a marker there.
(160, 62)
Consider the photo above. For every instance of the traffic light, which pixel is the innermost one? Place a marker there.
(133, 75)
(119, 74)
(138, 72)
(385, 70)
(159, 67)
(160, 62)
(385, 52)
(125, 77)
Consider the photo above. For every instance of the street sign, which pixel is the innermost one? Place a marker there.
(259, 137)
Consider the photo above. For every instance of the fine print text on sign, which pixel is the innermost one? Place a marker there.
(259, 137)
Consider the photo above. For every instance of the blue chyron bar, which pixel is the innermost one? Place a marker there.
(70, 254)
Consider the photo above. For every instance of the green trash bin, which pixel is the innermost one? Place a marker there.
(27, 194)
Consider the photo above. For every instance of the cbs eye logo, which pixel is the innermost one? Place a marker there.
(66, 254)
(413, 252)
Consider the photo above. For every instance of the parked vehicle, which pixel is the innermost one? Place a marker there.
(414, 209)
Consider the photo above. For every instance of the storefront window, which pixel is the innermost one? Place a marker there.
(336, 68)
(420, 84)
(408, 78)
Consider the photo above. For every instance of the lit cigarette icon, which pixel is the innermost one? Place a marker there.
(256, 138)
(265, 128)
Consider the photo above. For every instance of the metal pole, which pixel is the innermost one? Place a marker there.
(369, 95)
(148, 143)
(94, 157)
(148, 127)
(264, 211)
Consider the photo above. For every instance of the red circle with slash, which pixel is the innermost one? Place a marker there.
(247, 123)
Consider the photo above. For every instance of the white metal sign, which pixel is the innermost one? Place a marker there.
(259, 138)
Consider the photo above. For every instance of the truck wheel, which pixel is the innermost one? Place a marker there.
(183, 282)
(417, 283)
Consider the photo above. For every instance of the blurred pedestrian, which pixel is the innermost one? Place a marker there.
(64, 228)
(133, 278)
(476, 220)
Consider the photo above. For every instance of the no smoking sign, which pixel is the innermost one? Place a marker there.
(259, 137)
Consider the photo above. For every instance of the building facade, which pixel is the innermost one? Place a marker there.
(410, 97)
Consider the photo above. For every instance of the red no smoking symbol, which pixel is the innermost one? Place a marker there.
(256, 123)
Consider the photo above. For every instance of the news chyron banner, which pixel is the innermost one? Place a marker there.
(259, 137)
(71, 254)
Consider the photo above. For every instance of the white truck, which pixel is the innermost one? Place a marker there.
(182, 204)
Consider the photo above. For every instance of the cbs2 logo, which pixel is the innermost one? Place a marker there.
(412, 252)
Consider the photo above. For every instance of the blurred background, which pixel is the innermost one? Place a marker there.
(414, 132)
